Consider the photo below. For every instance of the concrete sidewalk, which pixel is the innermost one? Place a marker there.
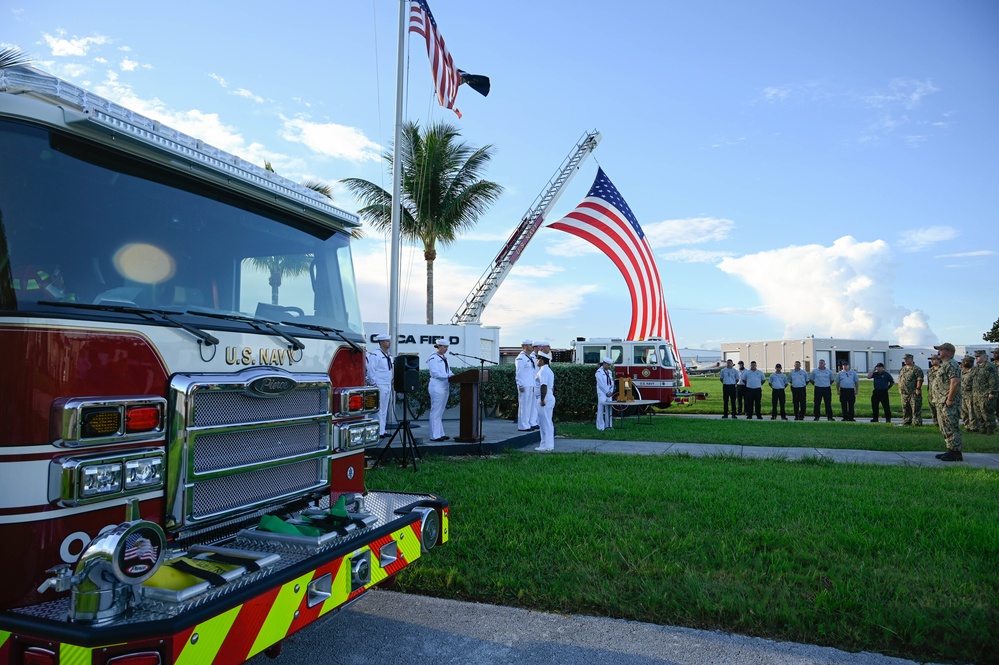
(499, 434)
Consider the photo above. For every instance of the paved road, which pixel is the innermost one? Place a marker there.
(388, 627)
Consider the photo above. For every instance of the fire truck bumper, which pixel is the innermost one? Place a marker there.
(240, 618)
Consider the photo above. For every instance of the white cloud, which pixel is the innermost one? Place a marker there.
(774, 94)
(331, 139)
(963, 255)
(915, 330)
(687, 231)
(694, 256)
(243, 92)
(914, 240)
(546, 270)
(570, 246)
(218, 79)
(128, 65)
(907, 93)
(61, 46)
(845, 290)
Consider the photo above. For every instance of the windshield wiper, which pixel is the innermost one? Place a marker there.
(325, 330)
(296, 345)
(144, 312)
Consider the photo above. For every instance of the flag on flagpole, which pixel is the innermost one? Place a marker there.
(446, 76)
(605, 220)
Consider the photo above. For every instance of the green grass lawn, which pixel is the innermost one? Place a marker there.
(897, 560)
(791, 434)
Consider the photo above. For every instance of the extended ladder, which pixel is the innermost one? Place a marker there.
(485, 288)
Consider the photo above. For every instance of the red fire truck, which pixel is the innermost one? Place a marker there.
(651, 364)
(182, 396)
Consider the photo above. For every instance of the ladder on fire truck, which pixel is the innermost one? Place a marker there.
(476, 301)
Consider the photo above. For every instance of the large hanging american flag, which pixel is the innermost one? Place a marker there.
(604, 219)
(446, 76)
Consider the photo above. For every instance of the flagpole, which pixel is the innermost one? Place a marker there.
(396, 180)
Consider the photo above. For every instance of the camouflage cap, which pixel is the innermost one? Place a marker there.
(981, 352)
(968, 359)
(946, 346)
(909, 355)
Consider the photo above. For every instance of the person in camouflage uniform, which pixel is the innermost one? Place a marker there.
(947, 396)
(984, 388)
(910, 387)
(931, 378)
(967, 376)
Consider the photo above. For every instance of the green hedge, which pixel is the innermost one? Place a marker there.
(575, 392)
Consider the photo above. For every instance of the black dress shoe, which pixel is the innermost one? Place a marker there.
(951, 456)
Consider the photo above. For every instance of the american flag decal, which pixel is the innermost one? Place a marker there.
(139, 548)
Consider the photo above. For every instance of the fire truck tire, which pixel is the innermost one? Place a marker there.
(387, 583)
(274, 650)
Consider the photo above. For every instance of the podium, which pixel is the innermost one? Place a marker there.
(470, 416)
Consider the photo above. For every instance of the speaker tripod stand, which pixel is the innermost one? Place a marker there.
(408, 442)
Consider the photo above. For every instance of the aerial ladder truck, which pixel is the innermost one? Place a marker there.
(471, 309)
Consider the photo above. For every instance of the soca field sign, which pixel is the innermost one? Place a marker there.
(470, 339)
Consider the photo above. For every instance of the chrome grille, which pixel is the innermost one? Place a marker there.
(226, 493)
(224, 407)
(232, 451)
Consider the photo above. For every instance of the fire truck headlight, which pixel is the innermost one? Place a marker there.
(98, 479)
(143, 472)
(358, 435)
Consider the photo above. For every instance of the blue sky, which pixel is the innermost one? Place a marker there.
(801, 168)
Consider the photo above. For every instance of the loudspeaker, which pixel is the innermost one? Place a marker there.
(406, 376)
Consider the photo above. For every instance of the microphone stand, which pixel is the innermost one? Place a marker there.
(479, 407)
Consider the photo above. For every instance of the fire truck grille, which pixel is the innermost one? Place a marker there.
(227, 450)
(234, 451)
(227, 407)
(227, 493)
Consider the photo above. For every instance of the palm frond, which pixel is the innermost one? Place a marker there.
(13, 57)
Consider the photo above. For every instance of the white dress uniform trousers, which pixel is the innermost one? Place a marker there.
(547, 378)
(439, 388)
(378, 371)
(526, 376)
(605, 388)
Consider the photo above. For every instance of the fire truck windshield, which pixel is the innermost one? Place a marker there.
(80, 223)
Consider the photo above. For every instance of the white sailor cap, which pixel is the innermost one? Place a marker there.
(382, 338)
(442, 341)
(544, 343)
(609, 361)
(543, 354)
(537, 342)
(527, 341)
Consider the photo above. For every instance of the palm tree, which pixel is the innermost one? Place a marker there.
(13, 57)
(279, 266)
(442, 191)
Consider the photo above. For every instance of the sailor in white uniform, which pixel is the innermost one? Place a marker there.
(378, 373)
(535, 347)
(439, 389)
(605, 393)
(526, 376)
(547, 401)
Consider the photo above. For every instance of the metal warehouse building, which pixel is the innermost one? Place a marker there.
(862, 354)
